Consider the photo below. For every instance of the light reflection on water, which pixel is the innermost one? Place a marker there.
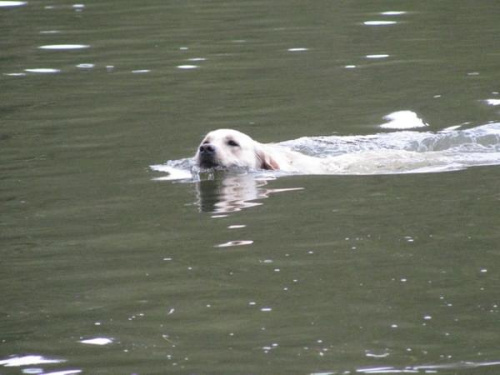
(227, 193)
(90, 238)
(37, 360)
(43, 70)
(379, 23)
(425, 369)
(384, 153)
(64, 47)
(7, 4)
(28, 360)
(235, 243)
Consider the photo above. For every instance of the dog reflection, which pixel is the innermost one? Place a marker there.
(226, 193)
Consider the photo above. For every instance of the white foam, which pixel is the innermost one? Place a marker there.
(397, 152)
(173, 173)
(403, 120)
(493, 102)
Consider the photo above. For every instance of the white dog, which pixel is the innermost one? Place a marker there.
(385, 153)
(227, 148)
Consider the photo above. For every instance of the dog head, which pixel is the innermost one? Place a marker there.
(226, 148)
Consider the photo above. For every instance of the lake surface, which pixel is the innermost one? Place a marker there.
(108, 268)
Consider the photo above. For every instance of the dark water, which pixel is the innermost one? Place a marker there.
(106, 270)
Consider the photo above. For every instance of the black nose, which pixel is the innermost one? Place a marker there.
(207, 149)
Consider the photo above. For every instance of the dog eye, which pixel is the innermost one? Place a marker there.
(232, 143)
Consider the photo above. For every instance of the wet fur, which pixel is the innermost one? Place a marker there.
(228, 148)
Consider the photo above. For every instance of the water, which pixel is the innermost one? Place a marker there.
(107, 270)
(398, 152)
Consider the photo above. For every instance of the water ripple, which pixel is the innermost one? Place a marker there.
(5, 4)
(379, 23)
(43, 70)
(28, 360)
(187, 67)
(426, 368)
(97, 341)
(64, 46)
(235, 243)
(383, 153)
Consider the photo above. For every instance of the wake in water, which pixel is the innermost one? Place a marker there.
(384, 153)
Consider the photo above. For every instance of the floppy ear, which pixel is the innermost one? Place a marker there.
(266, 161)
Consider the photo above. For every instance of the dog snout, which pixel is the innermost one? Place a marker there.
(207, 149)
(207, 156)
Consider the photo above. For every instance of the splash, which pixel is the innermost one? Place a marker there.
(384, 153)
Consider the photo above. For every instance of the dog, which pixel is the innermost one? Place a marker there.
(228, 148)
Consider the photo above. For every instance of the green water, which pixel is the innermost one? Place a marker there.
(338, 274)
